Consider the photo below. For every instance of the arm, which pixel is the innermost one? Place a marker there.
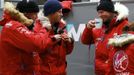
(22, 38)
(87, 36)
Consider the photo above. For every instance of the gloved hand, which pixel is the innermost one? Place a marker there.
(91, 24)
(65, 37)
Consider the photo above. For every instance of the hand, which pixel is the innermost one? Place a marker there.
(57, 37)
(65, 37)
(91, 24)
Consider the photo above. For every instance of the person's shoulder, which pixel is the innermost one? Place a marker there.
(13, 24)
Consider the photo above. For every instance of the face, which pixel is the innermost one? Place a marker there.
(105, 15)
(56, 17)
(32, 16)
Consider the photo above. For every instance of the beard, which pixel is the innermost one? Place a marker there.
(107, 23)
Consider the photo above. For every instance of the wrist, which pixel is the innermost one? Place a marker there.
(88, 26)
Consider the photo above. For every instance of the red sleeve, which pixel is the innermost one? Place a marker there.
(101, 67)
(37, 26)
(87, 37)
(130, 51)
(22, 38)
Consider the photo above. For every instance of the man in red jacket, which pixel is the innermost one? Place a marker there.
(53, 60)
(99, 36)
(121, 56)
(30, 12)
(19, 45)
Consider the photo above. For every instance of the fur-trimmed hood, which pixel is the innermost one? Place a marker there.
(45, 21)
(122, 10)
(121, 40)
(10, 12)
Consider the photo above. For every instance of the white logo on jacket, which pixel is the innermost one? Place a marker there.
(120, 61)
(9, 24)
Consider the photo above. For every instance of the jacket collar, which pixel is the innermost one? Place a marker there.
(121, 40)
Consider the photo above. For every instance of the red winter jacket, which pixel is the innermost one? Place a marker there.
(19, 47)
(53, 61)
(100, 39)
(121, 60)
(67, 0)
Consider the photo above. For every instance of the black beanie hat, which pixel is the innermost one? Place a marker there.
(51, 6)
(106, 5)
(27, 7)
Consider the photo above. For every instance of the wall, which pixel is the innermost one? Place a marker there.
(0, 16)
